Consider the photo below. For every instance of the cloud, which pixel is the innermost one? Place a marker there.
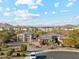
(7, 14)
(45, 12)
(1, 1)
(72, 0)
(53, 12)
(56, 4)
(22, 13)
(30, 3)
(33, 7)
(64, 10)
(1, 8)
(77, 17)
(39, 2)
(7, 9)
(36, 15)
(69, 4)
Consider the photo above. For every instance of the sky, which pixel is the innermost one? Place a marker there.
(39, 12)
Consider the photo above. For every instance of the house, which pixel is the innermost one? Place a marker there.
(24, 37)
(57, 38)
(45, 29)
(1, 29)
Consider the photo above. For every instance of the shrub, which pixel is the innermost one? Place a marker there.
(8, 58)
(0, 49)
(69, 42)
(5, 45)
(23, 54)
(77, 46)
(23, 47)
(1, 53)
(18, 54)
(12, 49)
(10, 52)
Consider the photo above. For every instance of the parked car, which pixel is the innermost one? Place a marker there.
(32, 55)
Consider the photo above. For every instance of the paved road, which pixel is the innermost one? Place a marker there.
(58, 55)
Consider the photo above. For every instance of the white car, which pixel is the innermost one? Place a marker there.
(32, 55)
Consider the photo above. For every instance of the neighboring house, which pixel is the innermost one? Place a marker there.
(24, 37)
(45, 29)
(5, 28)
(52, 36)
(21, 28)
(1, 29)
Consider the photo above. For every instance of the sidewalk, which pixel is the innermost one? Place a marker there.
(60, 49)
(26, 58)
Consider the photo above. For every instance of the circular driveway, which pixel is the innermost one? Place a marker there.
(58, 55)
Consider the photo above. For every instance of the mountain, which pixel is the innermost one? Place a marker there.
(69, 26)
(6, 25)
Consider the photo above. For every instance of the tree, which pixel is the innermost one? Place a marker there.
(18, 30)
(74, 35)
(23, 47)
(6, 35)
(10, 52)
(51, 44)
(72, 38)
(69, 42)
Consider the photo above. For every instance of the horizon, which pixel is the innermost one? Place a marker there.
(39, 12)
(38, 25)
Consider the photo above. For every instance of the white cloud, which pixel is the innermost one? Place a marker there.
(30, 3)
(72, 0)
(33, 7)
(7, 14)
(69, 4)
(7, 9)
(22, 13)
(45, 12)
(30, 14)
(39, 2)
(56, 4)
(1, 8)
(1, 1)
(14, 8)
(77, 17)
(53, 12)
(64, 10)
